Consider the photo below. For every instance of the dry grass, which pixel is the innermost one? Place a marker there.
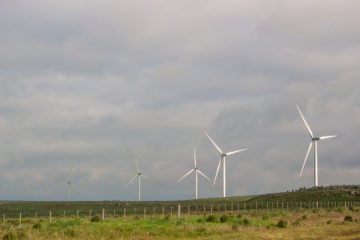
(302, 224)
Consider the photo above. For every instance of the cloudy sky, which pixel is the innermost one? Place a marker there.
(96, 84)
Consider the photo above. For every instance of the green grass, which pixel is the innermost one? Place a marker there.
(259, 225)
(247, 217)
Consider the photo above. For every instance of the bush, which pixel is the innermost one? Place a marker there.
(95, 218)
(281, 224)
(211, 218)
(246, 222)
(224, 218)
(167, 217)
(9, 236)
(304, 217)
(328, 222)
(348, 218)
(37, 226)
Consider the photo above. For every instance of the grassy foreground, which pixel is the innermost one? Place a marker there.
(280, 224)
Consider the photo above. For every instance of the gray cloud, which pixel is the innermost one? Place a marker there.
(90, 84)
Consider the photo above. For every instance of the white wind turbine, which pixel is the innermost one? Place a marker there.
(196, 170)
(138, 175)
(68, 182)
(314, 141)
(222, 159)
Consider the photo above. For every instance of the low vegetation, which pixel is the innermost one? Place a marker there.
(254, 217)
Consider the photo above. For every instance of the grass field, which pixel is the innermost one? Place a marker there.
(298, 224)
(316, 213)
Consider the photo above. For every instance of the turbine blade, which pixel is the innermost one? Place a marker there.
(327, 137)
(233, 152)
(142, 175)
(137, 166)
(131, 180)
(217, 171)
(186, 174)
(306, 124)
(212, 141)
(306, 157)
(204, 175)
(194, 158)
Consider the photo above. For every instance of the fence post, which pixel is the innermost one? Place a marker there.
(114, 213)
(50, 217)
(90, 213)
(20, 221)
(154, 212)
(64, 214)
(77, 214)
(4, 218)
(211, 209)
(35, 215)
(163, 211)
(188, 210)
(103, 214)
(171, 208)
(144, 212)
(179, 212)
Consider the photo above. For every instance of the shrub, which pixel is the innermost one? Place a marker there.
(37, 226)
(211, 218)
(348, 218)
(304, 217)
(9, 236)
(95, 218)
(246, 221)
(200, 220)
(281, 224)
(167, 217)
(328, 222)
(224, 218)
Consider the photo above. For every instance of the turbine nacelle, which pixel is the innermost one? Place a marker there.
(315, 139)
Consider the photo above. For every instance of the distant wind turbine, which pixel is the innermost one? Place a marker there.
(68, 182)
(138, 175)
(314, 141)
(222, 159)
(196, 170)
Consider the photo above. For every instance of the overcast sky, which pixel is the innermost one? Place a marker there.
(96, 84)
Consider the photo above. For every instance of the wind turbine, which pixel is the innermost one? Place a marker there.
(222, 159)
(314, 141)
(138, 175)
(196, 170)
(68, 182)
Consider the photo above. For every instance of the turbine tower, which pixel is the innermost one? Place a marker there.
(223, 160)
(314, 141)
(138, 175)
(196, 170)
